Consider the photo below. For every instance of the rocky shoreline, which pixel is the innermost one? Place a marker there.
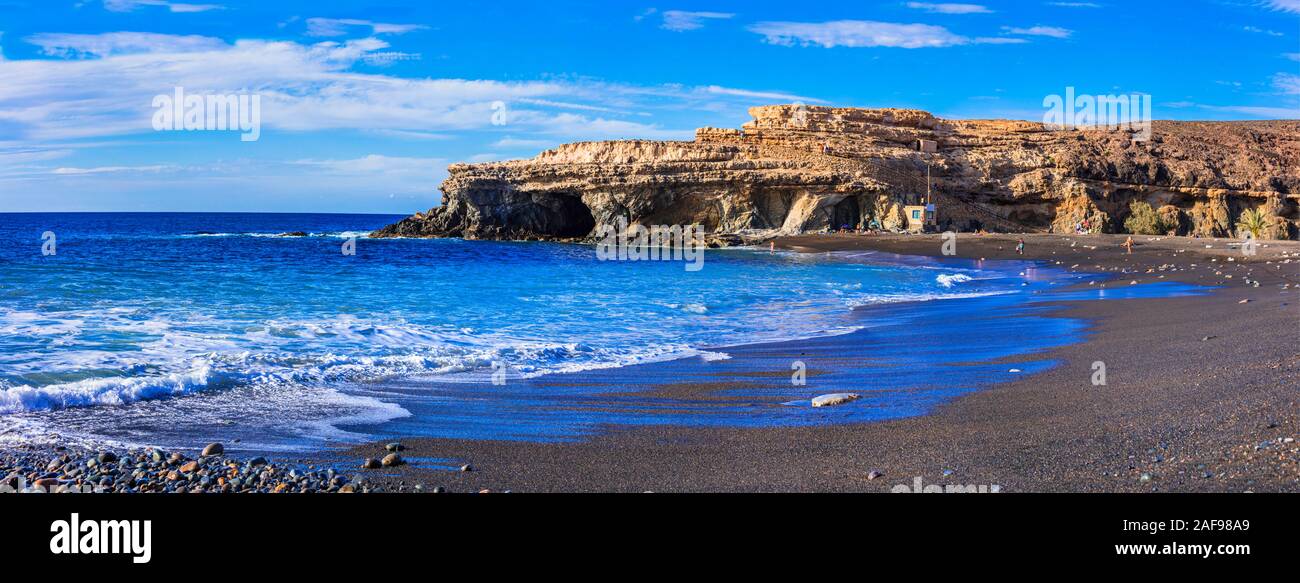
(63, 469)
(53, 469)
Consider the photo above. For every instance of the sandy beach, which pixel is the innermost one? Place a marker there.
(1201, 396)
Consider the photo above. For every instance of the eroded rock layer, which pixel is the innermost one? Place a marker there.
(799, 169)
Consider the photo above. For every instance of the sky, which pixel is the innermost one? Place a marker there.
(363, 105)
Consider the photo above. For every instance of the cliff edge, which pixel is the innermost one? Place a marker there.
(795, 169)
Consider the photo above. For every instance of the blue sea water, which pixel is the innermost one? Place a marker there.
(175, 329)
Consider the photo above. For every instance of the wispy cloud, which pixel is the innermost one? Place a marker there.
(1262, 112)
(1075, 4)
(112, 169)
(340, 26)
(1292, 6)
(129, 5)
(680, 20)
(516, 143)
(950, 8)
(1052, 31)
(1292, 56)
(1258, 30)
(120, 43)
(866, 33)
(315, 87)
(760, 95)
(1286, 83)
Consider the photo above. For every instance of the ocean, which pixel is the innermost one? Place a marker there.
(176, 329)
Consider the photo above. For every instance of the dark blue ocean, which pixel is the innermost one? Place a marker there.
(177, 329)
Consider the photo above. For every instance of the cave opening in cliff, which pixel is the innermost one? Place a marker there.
(846, 214)
(576, 218)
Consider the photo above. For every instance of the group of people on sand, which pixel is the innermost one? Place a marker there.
(1127, 245)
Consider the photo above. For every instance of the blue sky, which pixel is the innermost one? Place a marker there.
(363, 105)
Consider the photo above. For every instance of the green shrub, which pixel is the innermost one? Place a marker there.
(1144, 220)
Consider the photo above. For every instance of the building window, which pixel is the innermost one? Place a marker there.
(916, 215)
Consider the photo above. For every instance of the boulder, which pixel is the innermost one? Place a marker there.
(834, 399)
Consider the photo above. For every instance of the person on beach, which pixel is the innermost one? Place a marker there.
(772, 247)
(1020, 246)
(1128, 244)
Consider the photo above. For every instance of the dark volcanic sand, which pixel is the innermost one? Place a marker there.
(1180, 412)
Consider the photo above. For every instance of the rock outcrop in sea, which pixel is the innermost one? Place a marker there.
(796, 169)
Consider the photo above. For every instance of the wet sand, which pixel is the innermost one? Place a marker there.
(1202, 394)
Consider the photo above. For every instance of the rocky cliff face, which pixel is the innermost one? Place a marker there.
(799, 169)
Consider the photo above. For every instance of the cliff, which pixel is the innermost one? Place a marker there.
(798, 169)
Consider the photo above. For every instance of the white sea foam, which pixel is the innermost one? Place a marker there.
(951, 279)
(182, 362)
(282, 235)
(874, 299)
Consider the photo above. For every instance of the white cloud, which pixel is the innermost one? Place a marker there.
(514, 143)
(120, 43)
(1292, 56)
(866, 33)
(1259, 112)
(313, 87)
(1292, 6)
(1258, 30)
(1075, 4)
(1286, 83)
(375, 164)
(760, 95)
(112, 169)
(1052, 31)
(129, 5)
(680, 20)
(950, 8)
(341, 26)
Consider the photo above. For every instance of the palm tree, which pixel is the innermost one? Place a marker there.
(1254, 222)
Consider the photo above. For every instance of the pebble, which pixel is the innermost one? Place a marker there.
(392, 460)
(370, 464)
(395, 446)
(213, 449)
(873, 474)
(466, 468)
(151, 470)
